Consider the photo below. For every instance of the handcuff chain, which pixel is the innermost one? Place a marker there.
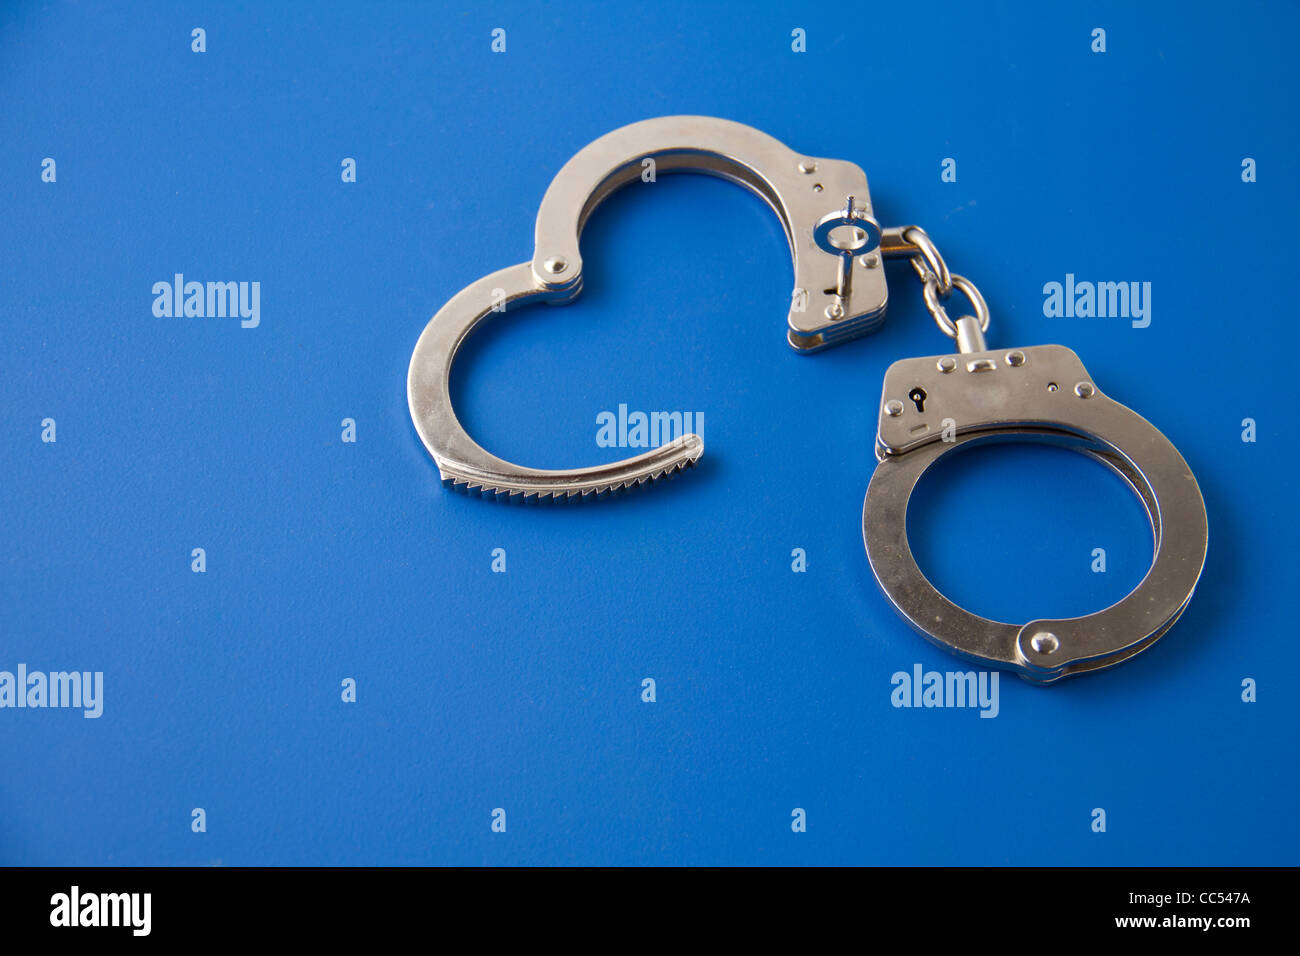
(913, 243)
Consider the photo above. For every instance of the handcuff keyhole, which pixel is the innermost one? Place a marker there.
(918, 396)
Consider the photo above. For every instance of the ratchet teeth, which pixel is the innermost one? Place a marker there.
(508, 493)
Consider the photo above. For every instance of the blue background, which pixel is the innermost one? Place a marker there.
(521, 690)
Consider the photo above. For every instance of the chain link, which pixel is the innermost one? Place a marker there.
(937, 281)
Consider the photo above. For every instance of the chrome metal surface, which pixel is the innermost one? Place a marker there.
(1044, 394)
(932, 302)
(915, 243)
(930, 406)
(827, 306)
(863, 237)
(970, 334)
(937, 282)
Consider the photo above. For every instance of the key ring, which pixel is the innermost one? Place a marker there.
(930, 407)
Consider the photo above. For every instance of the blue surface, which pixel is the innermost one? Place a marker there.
(479, 690)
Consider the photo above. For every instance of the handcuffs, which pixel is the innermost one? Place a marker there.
(930, 406)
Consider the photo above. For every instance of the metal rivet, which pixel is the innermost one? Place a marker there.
(834, 311)
(893, 408)
(1084, 390)
(808, 166)
(1016, 358)
(870, 261)
(947, 364)
(817, 187)
(556, 264)
(1045, 642)
(1051, 386)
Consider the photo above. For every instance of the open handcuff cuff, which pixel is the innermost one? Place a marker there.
(930, 406)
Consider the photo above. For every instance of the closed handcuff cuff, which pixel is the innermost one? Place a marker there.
(929, 408)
